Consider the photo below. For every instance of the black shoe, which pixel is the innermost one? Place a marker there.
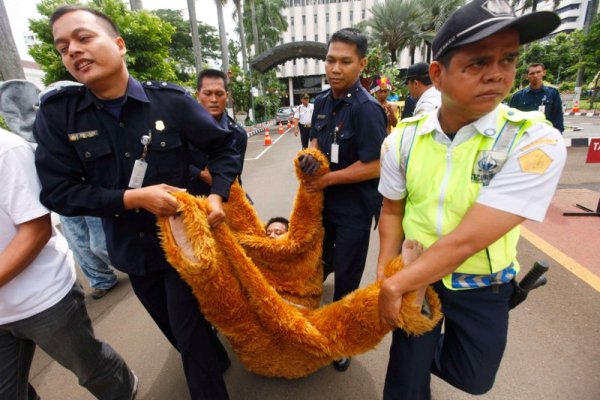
(342, 364)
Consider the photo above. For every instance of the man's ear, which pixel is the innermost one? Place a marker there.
(435, 73)
(362, 63)
(120, 42)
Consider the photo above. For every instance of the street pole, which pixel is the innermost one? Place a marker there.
(195, 39)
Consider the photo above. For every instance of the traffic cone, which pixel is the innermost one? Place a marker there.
(576, 106)
(280, 128)
(267, 138)
(289, 124)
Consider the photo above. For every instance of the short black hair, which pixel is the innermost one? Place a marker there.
(211, 73)
(445, 58)
(536, 64)
(351, 36)
(108, 23)
(281, 220)
(424, 79)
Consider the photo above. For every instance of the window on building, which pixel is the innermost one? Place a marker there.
(315, 18)
(351, 15)
(304, 20)
(292, 21)
(326, 17)
(316, 38)
(568, 19)
(363, 14)
(293, 38)
(304, 38)
(339, 15)
(567, 8)
(305, 61)
(327, 38)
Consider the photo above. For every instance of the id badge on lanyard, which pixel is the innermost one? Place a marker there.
(140, 166)
(335, 147)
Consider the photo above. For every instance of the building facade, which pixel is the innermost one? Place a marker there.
(317, 20)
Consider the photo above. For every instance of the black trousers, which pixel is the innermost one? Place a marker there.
(304, 132)
(170, 302)
(467, 355)
(344, 253)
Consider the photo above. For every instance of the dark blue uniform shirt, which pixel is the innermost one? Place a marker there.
(199, 160)
(529, 99)
(85, 157)
(361, 128)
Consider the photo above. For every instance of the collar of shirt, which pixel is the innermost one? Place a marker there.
(134, 91)
(529, 89)
(486, 125)
(348, 95)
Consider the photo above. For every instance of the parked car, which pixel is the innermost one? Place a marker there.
(285, 114)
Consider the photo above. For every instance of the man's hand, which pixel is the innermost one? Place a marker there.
(217, 214)
(296, 131)
(308, 164)
(156, 199)
(389, 304)
(206, 176)
(317, 184)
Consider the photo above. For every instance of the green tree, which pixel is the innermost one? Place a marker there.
(435, 13)
(394, 24)
(590, 59)
(181, 43)
(146, 36)
(270, 22)
(238, 15)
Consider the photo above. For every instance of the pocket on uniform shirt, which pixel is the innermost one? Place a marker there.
(166, 155)
(97, 159)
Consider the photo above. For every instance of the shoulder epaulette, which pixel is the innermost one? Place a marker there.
(162, 85)
(414, 118)
(61, 91)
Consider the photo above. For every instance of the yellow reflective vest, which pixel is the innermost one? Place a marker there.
(443, 182)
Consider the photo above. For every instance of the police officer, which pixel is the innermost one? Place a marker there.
(212, 94)
(302, 120)
(348, 126)
(539, 97)
(116, 148)
(460, 181)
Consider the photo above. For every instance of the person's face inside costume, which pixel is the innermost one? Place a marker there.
(213, 96)
(276, 229)
(90, 51)
(478, 77)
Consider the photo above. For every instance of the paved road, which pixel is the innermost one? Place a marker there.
(554, 340)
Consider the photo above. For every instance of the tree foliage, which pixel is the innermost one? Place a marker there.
(146, 36)
(181, 43)
(270, 23)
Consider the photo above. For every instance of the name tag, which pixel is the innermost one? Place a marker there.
(138, 173)
(335, 153)
(73, 137)
(321, 116)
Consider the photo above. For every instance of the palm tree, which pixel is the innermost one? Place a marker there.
(10, 62)
(436, 12)
(241, 32)
(223, 36)
(395, 25)
(268, 23)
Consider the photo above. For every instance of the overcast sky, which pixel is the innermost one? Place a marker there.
(19, 11)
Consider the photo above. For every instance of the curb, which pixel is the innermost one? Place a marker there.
(259, 128)
(584, 114)
(579, 142)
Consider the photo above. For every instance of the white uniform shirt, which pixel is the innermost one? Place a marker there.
(512, 190)
(52, 274)
(430, 100)
(304, 114)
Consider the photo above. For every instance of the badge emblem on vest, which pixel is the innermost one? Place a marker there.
(487, 166)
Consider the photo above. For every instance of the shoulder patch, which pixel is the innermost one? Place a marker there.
(535, 162)
(61, 91)
(162, 85)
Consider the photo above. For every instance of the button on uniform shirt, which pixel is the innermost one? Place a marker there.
(85, 157)
(304, 114)
(361, 124)
(546, 99)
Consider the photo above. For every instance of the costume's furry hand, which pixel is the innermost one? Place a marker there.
(308, 164)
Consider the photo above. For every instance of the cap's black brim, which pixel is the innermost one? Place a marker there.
(530, 27)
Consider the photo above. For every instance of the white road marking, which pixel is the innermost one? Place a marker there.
(268, 147)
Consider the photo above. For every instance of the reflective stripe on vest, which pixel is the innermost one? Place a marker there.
(443, 182)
